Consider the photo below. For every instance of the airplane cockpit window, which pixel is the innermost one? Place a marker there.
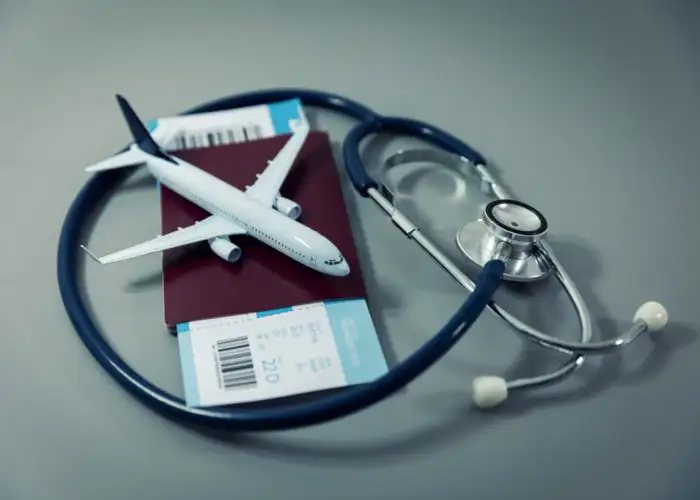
(334, 262)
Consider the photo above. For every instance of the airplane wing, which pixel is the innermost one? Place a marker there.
(211, 227)
(268, 184)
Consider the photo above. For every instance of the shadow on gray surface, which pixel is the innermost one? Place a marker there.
(674, 337)
(142, 180)
(533, 302)
(115, 179)
(463, 420)
(155, 278)
(610, 371)
(545, 306)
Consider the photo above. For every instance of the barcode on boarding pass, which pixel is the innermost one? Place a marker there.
(217, 137)
(235, 362)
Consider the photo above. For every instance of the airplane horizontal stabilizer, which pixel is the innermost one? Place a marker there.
(129, 158)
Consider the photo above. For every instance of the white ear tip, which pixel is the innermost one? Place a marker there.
(489, 391)
(653, 314)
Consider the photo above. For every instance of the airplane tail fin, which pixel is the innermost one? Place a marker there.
(138, 130)
(142, 138)
(137, 154)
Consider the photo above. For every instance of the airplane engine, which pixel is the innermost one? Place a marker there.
(224, 249)
(288, 207)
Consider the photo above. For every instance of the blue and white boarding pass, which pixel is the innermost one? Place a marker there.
(259, 356)
(232, 126)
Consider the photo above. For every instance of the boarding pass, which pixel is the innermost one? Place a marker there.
(201, 130)
(273, 354)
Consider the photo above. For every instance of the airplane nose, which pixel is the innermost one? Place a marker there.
(343, 269)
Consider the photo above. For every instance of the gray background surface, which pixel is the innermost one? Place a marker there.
(590, 109)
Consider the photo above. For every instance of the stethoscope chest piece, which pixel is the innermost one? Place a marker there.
(508, 230)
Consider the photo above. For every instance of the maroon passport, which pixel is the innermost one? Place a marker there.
(199, 285)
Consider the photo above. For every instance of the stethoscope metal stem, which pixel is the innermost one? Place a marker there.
(410, 230)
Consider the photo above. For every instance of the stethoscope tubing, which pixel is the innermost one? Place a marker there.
(356, 398)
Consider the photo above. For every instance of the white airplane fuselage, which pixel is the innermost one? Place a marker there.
(261, 222)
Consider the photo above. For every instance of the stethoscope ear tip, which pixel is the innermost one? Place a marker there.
(653, 314)
(489, 391)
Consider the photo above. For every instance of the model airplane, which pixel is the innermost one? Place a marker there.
(258, 211)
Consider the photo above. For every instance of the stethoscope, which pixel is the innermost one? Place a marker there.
(507, 244)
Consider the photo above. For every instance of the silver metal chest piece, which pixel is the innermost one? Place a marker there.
(508, 230)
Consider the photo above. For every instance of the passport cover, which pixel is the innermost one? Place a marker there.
(199, 285)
